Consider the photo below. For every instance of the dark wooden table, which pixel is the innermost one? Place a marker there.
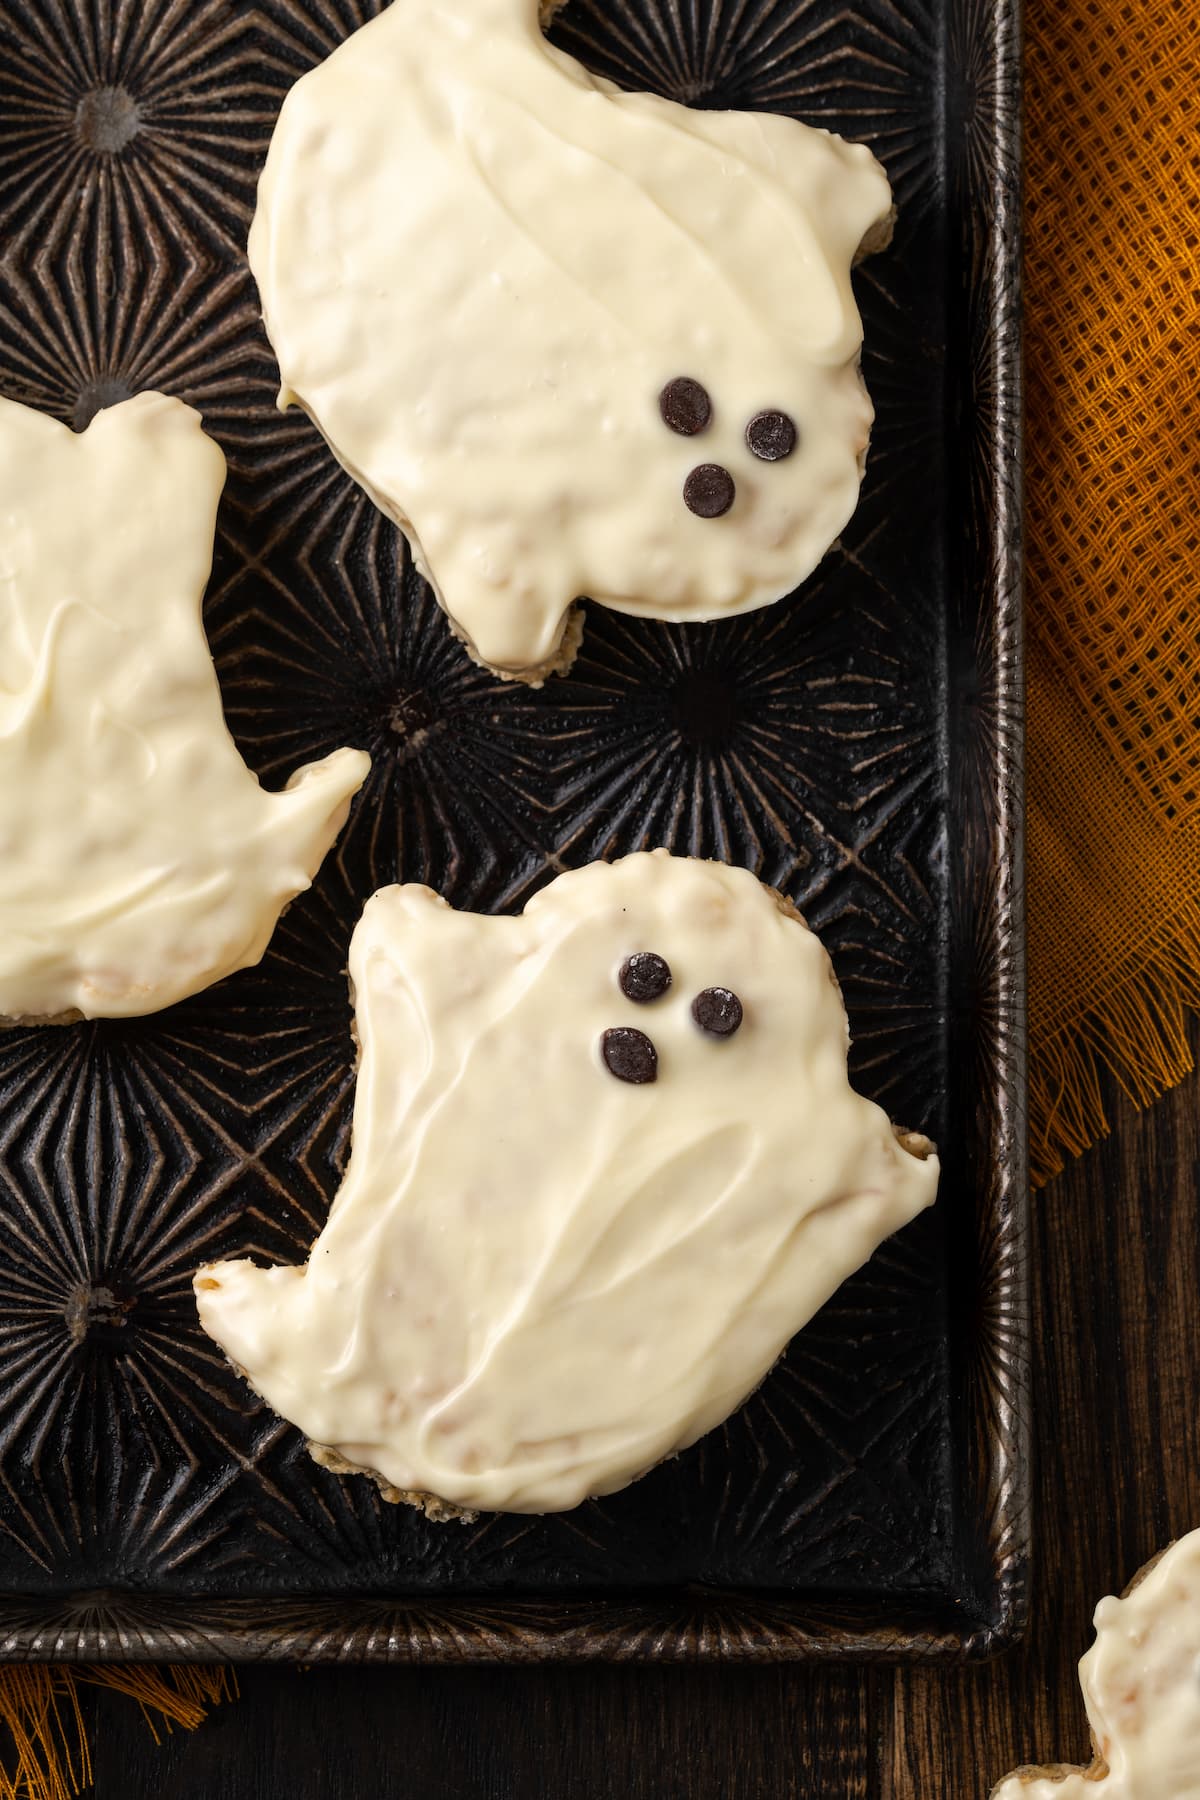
(1117, 1386)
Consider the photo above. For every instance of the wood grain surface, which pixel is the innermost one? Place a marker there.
(1117, 1397)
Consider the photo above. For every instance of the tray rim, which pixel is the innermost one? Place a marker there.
(746, 1626)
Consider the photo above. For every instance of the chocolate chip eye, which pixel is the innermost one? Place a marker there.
(708, 491)
(629, 1055)
(717, 1011)
(771, 436)
(685, 406)
(644, 976)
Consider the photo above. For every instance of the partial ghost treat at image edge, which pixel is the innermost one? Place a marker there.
(140, 860)
(1141, 1687)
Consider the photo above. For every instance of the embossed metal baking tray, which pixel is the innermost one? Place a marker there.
(858, 746)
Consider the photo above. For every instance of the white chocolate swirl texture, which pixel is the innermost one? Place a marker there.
(538, 1280)
(140, 860)
(1141, 1686)
(480, 264)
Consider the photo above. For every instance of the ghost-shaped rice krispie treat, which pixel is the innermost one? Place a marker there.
(606, 1161)
(140, 860)
(1141, 1687)
(574, 341)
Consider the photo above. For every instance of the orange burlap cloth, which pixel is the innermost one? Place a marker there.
(1113, 476)
(1112, 199)
(47, 1755)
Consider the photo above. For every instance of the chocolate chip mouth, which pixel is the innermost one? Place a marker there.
(629, 1055)
(709, 491)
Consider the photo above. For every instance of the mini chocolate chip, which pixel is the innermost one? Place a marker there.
(718, 1011)
(685, 406)
(644, 976)
(708, 491)
(629, 1055)
(771, 436)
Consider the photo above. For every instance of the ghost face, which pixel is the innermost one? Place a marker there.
(606, 1162)
(575, 341)
(709, 490)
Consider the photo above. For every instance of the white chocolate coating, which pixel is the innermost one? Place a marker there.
(1141, 1686)
(537, 1281)
(479, 265)
(140, 860)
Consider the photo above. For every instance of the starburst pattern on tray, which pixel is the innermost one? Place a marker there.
(137, 115)
(71, 350)
(453, 798)
(804, 741)
(110, 1183)
(778, 739)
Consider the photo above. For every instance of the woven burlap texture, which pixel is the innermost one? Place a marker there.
(1112, 219)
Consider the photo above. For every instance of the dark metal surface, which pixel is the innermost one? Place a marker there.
(857, 746)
